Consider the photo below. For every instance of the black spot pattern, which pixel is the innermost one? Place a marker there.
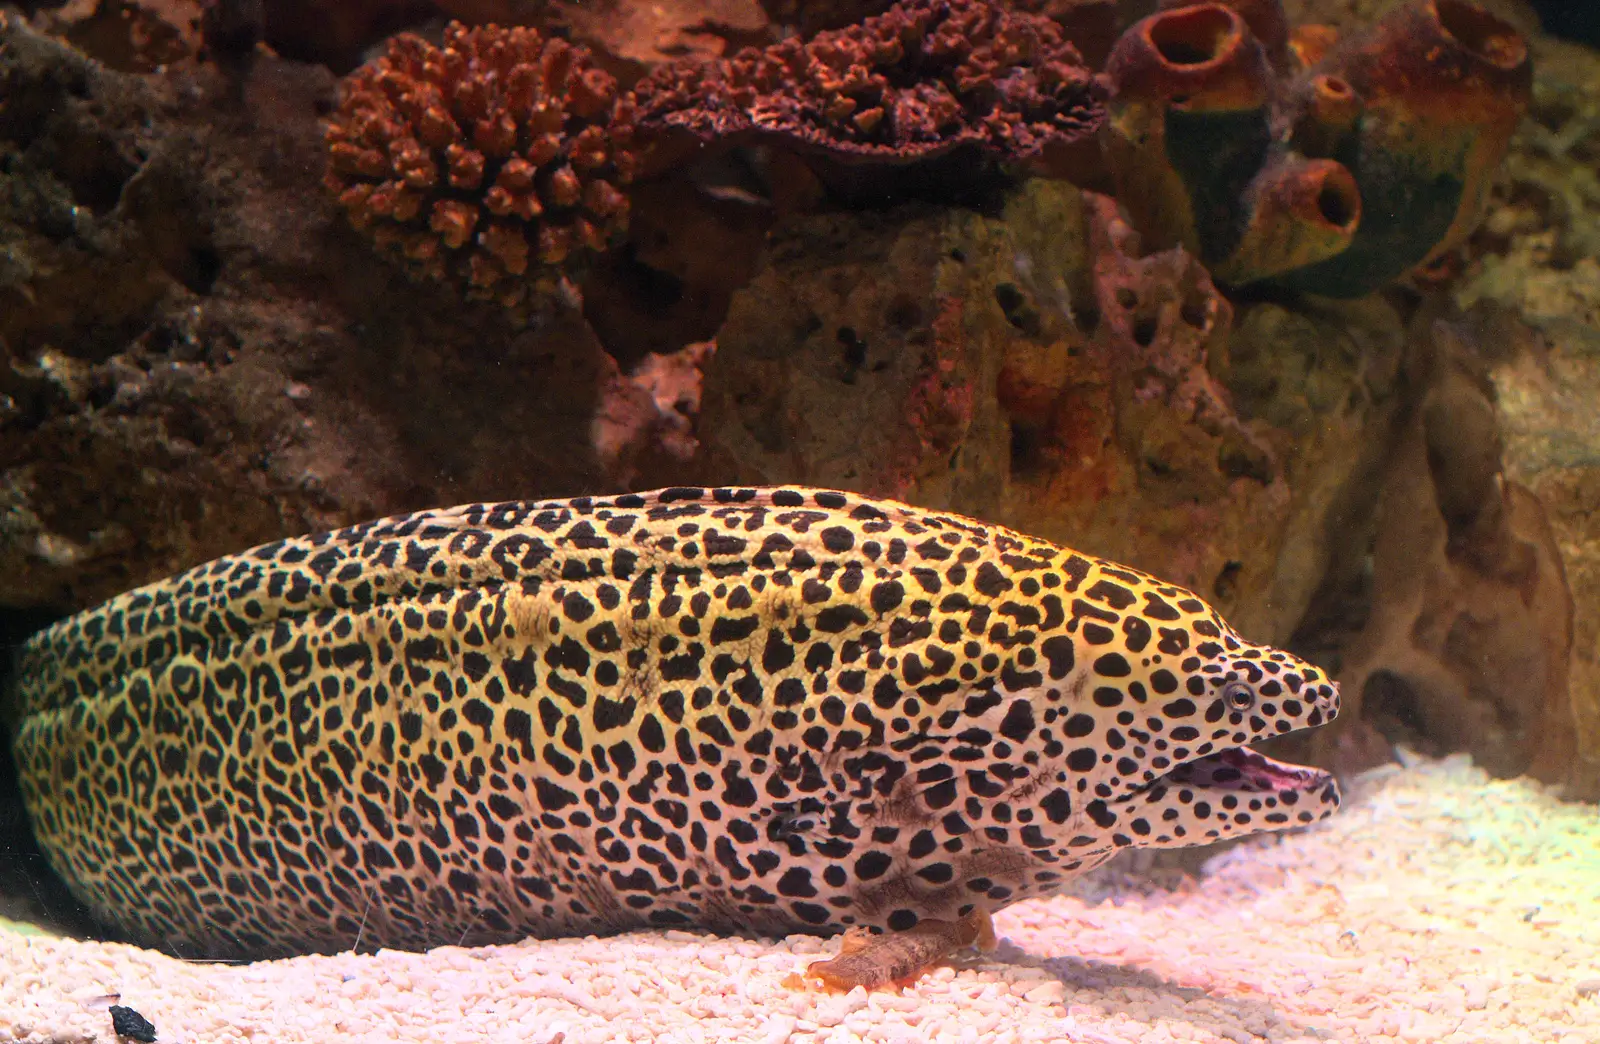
(740, 709)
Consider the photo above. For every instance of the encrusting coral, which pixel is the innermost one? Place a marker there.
(923, 80)
(654, 407)
(498, 160)
(128, 35)
(1373, 157)
(495, 162)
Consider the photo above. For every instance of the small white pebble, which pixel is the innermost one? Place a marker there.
(1432, 868)
(779, 1029)
(1047, 993)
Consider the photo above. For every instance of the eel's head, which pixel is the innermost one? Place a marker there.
(1222, 788)
(1158, 742)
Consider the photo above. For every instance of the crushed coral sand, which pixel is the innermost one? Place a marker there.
(1439, 906)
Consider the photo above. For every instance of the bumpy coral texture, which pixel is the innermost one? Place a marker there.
(919, 80)
(494, 163)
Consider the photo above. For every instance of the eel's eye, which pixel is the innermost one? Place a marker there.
(1238, 696)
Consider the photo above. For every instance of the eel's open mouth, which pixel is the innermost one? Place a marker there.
(1239, 778)
(1242, 770)
(1234, 791)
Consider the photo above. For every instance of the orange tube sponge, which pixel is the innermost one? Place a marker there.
(1330, 167)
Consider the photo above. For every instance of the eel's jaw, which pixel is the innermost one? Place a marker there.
(1232, 793)
(1245, 771)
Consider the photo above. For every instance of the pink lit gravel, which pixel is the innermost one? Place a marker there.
(1439, 906)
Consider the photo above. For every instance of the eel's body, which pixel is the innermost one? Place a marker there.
(745, 710)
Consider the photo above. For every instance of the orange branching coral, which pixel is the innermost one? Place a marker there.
(494, 162)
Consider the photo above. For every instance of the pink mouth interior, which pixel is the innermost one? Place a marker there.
(1244, 770)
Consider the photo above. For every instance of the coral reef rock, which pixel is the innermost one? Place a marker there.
(336, 34)
(1539, 263)
(630, 38)
(1339, 16)
(652, 408)
(810, 17)
(643, 36)
(1030, 367)
(197, 355)
(130, 35)
(1377, 157)
(962, 81)
(1468, 633)
(499, 12)
(494, 163)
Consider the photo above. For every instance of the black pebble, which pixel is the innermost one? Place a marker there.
(128, 1023)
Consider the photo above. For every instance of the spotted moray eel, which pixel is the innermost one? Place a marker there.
(745, 710)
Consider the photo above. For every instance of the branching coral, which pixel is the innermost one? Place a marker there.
(493, 163)
(1334, 179)
(922, 80)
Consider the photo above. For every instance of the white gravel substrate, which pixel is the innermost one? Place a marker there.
(1439, 906)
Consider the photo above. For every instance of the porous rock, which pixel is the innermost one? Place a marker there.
(630, 38)
(640, 37)
(1354, 15)
(336, 34)
(200, 355)
(130, 35)
(809, 17)
(650, 410)
(1536, 261)
(1467, 632)
(1022, 368)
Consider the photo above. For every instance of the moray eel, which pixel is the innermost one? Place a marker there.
(744, 710)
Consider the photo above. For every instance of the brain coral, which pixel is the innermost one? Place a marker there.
(492, 163)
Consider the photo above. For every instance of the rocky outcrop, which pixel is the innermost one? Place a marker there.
(1537, 266)
(1466, 630)
(200, 355)
(1030, 368)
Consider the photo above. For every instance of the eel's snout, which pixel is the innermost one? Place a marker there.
(1327, 700)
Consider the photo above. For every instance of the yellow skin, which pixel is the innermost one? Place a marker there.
(745, 710)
